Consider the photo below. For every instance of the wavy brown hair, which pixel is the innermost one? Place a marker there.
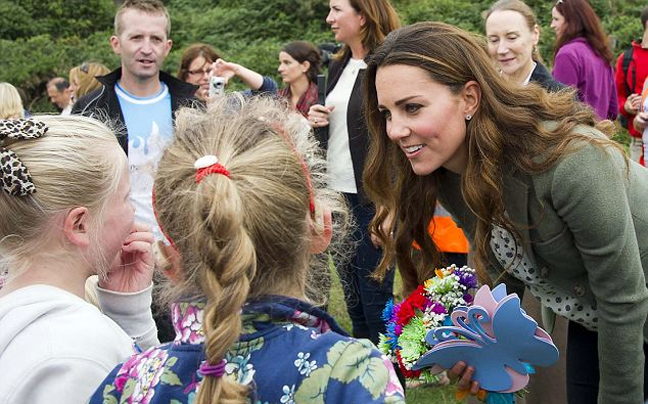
(506, 133)
(581, 21)
(380, 20)
(244, 235)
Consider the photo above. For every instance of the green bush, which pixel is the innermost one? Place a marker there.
(40, 40)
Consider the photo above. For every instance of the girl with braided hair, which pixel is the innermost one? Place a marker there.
(65, 215)
(240, 195)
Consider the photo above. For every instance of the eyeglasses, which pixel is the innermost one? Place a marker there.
(199, 72)
(84, 67)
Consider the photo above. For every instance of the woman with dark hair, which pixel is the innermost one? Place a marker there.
(341, 129)
(195, 67)
(299, 64)
(445, 126)
(583, 58)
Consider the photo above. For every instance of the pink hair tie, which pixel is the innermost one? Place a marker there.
(209, 165)
(206, 369)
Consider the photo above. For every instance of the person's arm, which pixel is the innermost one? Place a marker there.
(255, 81)
(125, 296)
(132, 312)
(591, 185)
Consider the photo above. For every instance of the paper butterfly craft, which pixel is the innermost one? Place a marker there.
(496, 337)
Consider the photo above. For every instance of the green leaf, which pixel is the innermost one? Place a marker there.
(128, 391)
(108, 398)
(313, 388)
(170, 378)
(357, 364)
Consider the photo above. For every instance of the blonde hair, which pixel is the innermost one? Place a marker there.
(78, 162)
(11, 106)
(246, 235)
(525, 11)
(145, 6)
(85, 75)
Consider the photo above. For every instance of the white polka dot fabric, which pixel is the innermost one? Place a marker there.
(511, 256)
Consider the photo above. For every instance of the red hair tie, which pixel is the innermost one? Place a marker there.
(209, 165)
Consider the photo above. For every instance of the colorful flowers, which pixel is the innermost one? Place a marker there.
(408, 322)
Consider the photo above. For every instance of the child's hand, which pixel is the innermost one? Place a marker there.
(132, 269)
(465, 374)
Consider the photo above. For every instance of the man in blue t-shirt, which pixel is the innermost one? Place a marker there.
(140, 100)
(139, 97)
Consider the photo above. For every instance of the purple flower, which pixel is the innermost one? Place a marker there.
(438, 308)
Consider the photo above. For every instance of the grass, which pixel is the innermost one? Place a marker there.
(421, 395)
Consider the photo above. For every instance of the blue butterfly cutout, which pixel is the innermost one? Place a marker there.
(512, 344)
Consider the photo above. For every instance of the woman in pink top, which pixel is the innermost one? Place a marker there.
(583, 58)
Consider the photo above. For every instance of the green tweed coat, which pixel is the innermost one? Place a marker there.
(584, 223)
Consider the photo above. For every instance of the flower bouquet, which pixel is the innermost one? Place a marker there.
(427, 308)
(489, 332)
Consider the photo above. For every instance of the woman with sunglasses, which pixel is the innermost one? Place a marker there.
(583, 58)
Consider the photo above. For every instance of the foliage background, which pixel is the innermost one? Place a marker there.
(43, 39)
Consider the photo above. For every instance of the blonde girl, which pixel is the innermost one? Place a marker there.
(65, 215)
(240, 197)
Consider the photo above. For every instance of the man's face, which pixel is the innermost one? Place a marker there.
(59, 98)
(142, 44)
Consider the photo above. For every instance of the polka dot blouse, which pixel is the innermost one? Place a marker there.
(511, 256)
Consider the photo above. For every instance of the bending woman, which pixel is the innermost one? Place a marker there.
(445, 126)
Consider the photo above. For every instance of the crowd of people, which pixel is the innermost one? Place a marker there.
(164, 242)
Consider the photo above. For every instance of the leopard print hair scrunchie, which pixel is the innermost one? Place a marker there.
(14, 176)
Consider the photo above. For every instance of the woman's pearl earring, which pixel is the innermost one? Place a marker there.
(468, 117)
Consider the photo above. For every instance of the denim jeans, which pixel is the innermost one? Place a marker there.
(364, 297)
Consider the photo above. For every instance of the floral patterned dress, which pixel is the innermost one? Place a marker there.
(289, 352)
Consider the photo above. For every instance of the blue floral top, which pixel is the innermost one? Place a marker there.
(289, 352)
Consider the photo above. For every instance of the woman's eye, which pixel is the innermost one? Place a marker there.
(385, 114)
(412, 108)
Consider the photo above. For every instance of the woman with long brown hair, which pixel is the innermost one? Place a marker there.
(341, 129)
(583, 58)
(559, 212)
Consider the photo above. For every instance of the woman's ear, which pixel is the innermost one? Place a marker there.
(321, 231)
(305, 66)
(167, 259)
(471, 97)
(75, 227)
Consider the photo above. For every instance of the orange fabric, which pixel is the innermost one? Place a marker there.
(447, 236)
